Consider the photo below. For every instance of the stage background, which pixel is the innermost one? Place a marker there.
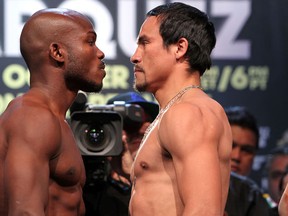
(249, 61)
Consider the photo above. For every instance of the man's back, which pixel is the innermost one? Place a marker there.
(184, 159)
(40, 163)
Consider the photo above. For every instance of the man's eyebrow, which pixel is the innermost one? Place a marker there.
(141, 39)
(92, 32)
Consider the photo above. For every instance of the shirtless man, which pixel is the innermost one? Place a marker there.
(183, 164)
(283, 204)
(41, 169)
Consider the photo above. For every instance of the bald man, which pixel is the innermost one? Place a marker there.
(41, 169)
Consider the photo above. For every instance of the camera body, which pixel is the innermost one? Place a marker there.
(98, 129)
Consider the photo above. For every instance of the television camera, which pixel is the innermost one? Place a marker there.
(98, 132)
(98, 129)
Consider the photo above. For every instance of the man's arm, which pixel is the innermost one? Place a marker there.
(32, 138)
(192, 138)
(283, 204)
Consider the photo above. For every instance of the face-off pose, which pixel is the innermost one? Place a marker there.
(183, 164)
(41, 169)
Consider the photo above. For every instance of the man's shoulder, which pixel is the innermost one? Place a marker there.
(29, 113)
(197, 113)
(28, 103)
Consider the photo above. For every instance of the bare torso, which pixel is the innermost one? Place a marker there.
(154, 191)
(67, 181)
(43, 177)
(159, 188)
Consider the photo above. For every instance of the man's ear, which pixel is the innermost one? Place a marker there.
(56, 52)
(182, 47)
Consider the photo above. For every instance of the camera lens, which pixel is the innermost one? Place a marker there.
(97, 133)
(95, 136)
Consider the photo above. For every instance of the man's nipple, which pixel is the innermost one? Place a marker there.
(144, 165)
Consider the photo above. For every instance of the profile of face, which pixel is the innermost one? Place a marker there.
(151, 58)
(276, 170)
(243, 150)
(85, 67)
(70, 41)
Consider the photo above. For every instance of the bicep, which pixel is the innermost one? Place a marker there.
(283, 204)
(192, 142)
(26, 167)
(26, 177)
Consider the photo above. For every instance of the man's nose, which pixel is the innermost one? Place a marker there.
(235, 154)
(135, 58)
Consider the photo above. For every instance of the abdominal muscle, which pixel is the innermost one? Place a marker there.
(154, 189)
(65, 200)
(156, 199)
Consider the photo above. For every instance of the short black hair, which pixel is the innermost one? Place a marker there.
(240, 116)
(178, 20)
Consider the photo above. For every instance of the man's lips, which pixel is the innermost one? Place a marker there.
(102, 66)
(234, 168)
(138, 69)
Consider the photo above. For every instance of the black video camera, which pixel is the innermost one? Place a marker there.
(98, 129)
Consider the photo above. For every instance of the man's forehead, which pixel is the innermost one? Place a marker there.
(150, 22)
(149, 29)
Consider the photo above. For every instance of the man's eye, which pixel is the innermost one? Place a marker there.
(248, 149)
(91, 42)
(142, 41)
(145, 42)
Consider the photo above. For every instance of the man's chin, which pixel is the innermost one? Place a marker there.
(93, 88)
(140, 87)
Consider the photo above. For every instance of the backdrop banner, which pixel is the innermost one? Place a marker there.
(249, 61)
